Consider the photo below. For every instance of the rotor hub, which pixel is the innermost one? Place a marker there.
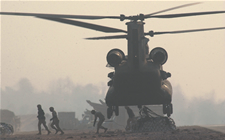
(133, 18)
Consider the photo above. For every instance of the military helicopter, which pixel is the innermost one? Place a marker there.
(138, 78)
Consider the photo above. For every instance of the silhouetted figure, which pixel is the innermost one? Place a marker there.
(55, 121)
(144, 113)
(101, 120)
(41, 120)
(131, 117)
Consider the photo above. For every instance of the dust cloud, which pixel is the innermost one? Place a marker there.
(64, 95)
(197, 111)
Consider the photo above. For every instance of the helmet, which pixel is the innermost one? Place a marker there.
(93, 112)
(51, 108)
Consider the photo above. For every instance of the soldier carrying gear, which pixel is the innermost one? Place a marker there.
(101, 120)
(41, 120)
(55, 121)
(131, 117)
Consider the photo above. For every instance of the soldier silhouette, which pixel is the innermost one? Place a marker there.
(131, 117)
(55, 121)
(41, 120)
(101, 120)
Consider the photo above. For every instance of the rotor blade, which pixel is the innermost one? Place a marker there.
(84, 25)
(185, 5)
(151, 33)
(58, 15)
(187, 14)
(108, 37)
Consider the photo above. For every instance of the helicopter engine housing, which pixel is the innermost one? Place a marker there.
(115, 57)
(158, 55)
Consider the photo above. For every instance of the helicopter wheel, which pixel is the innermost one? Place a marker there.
(109, 112)
(164, 108)
(171, 106)
(116, 109)
(169, 110)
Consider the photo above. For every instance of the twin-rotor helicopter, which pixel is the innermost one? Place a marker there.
(138, 78)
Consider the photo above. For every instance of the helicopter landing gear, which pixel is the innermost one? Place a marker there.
(112, 109)
(109, 112)
(116, 109)
(168, 109)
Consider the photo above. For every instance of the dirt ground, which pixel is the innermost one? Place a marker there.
(182, 133)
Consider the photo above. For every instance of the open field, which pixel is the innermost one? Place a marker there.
(182, 133)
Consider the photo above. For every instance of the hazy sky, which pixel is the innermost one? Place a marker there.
(43, 51)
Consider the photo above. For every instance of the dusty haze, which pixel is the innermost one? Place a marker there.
(49, 63)
(64, 95)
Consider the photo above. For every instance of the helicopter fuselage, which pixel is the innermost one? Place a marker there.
(142, 87)
(138, 79)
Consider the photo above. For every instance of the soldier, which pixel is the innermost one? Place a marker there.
(55, 121)
(41, 120)
(101, 120)
(131, 118)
